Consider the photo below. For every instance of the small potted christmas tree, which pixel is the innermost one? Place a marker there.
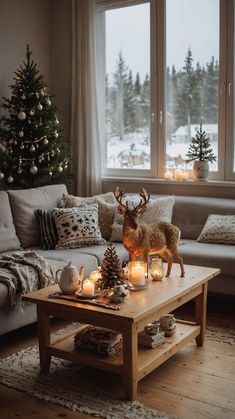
(111, 270)
(201, 153)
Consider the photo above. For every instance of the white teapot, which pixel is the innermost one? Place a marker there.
(70, 279)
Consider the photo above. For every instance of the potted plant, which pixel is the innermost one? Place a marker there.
(201, 153)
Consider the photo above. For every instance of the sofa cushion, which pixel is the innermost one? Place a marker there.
(8, 237)
(190, 213)
(157, 210)
(218, 229)
(211, 255)
(24, 202)
(106, 206)
(48, 231)
(77, 227)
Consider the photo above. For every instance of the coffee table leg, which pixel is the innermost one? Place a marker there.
(130, 352)
(43, 338)
(201, 302)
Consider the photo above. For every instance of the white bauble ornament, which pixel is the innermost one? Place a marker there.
(21, 115)
(19, 171)
(45, 141)
(39, 107)
(32, 112)
(23, 97)
(66, 167)
(56, 134)
(57, 121)
(33, 169)
(50, 173)
(21, 133)
(32, 148)
(48, 102)
(42, 92)
(10, 179)
(1, 175)
(60, 169)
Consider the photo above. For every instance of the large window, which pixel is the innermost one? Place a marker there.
(169, 69)
(128, 87)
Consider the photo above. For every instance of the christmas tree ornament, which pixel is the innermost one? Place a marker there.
(21, 133)
(15, 142)
(29, 122)
(19, 170)
(58, 151)
(56, 134)
(23, 97)
(1, 175)
(45, 141)
(10, 179)
(66, 166)
(48, 102)
(10, 150)
(57, 121)
(42, 92)
(39, 107)
(32, 112)
(33, 169)
(22, 146)
(60, 169)
(32, 148)
(50, 173)
(11, 141)
(21, 116)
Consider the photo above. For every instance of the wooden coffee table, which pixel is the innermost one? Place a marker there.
(142, 307)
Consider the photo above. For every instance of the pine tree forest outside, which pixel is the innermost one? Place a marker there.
(191, 100)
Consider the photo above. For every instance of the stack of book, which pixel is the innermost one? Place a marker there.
(98, 339)
(151, 341)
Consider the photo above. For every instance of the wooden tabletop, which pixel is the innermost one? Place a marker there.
(141, 302)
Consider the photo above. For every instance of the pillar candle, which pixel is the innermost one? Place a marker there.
(88, 287)
(138, 275)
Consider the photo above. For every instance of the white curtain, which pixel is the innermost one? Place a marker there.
(85, 119)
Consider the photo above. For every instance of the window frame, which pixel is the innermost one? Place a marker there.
(226, 129)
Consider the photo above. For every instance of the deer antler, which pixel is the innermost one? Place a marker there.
(119, 193)
(145, 197)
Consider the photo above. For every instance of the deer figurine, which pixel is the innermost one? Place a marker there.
(144, 240)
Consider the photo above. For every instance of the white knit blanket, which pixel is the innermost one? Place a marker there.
(24, 272)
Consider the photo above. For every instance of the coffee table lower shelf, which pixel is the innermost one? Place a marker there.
(148, 359)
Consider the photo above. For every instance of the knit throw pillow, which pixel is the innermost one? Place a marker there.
(157, 210)
(77, 227)
(218, 229)
(48, 232)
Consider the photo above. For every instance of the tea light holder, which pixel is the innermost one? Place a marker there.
(157, 269)
(137, 272)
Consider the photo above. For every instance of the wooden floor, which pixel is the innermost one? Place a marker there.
(196, 383)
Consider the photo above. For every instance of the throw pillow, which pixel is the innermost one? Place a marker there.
(48, 231)
(157, 210)
(106, 208)
(77, 227)
(218, 229)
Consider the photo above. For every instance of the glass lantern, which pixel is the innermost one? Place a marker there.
(157, 269)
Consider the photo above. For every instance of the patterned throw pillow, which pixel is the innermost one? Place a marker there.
(157, 210)
(77, 227)
(106, 208)
(218, 229)
(48, 232)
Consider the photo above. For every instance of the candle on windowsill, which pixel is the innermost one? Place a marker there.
(88, 287)
(178, 174)
(185, 175)
(168, 175)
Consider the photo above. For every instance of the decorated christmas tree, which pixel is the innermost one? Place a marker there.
(32, 149)
(200, 148)
(111, 270)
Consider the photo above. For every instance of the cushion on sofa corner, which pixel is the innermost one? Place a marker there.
(8, 238)
(77, 227)
(218, 229)
(24, 202)
(48, 231)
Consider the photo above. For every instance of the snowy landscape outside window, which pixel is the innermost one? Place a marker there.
(128, 87)
(192, 77)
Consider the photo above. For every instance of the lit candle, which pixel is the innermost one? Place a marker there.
(94, 276)
(138, 275)
(168, 175)
(178, 174)
(88, 287)
(185, 175)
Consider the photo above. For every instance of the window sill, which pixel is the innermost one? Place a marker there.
(210, 182)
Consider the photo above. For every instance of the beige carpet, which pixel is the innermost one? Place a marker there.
(65, 386)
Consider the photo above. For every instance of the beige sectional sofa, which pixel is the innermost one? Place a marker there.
(19, 229)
